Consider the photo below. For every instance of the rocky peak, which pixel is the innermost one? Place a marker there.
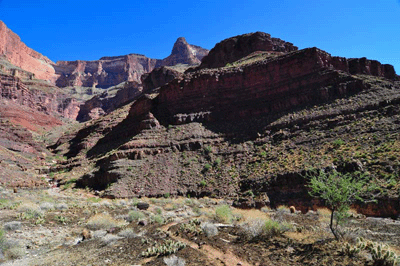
(180, 46)
(232, 49)
(185, 53)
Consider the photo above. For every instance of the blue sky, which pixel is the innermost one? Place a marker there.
(90, 29)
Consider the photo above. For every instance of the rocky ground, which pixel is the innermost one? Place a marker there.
(72, 227)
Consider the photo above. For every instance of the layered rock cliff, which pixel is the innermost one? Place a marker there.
(24, 57)
(45, 98)
(111, 71)
(253, 126)
(104, 73)
(270, 86)
(235, 48)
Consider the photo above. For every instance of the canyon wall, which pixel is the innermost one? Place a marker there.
(46, 100)
(24, 57)
(103, 73)
(111, 71)
(305, 77)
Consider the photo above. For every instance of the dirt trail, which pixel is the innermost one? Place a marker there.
(217, 257)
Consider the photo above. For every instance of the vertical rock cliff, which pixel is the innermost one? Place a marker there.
(24, 57)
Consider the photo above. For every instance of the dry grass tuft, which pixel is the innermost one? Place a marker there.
(103, 221)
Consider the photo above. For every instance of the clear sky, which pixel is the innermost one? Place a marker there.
(90, 29)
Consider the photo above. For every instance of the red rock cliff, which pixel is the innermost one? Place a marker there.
(232, 49)
(22, 56)
(309, 76)
(103, 73)
(111, 71)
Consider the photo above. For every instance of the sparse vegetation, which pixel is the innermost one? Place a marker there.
(102, 221)
(338, 191)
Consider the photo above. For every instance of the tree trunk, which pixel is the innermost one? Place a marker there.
(331, 226)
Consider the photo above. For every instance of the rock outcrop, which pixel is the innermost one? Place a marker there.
(184, 53)
(232, 49)
(46, 99)
(24, 57)
(159, 77)
(110, 100)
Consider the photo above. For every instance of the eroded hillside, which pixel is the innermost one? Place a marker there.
(255, 125)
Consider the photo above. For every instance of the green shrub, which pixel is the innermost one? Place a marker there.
(274, 228)
(207, 167)
(223, 214)
(337, 143)
(207, 150)
(158, 219)
(203, 183)
(135, 216)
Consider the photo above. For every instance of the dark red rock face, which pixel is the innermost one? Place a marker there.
(305, 77)
(159, 77)
(235, 48)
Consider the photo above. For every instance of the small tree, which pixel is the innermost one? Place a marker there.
(338, 191)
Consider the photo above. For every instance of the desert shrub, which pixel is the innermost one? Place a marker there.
(2, 238)
(4, 203)
(61, 219)
(174, 261)
(337, 143)
(135, 216)
(102, 221)
(252, 228)
(207, 167)
(283, 209)
(223, 214)
(11, 249)
(30, 211)
(109, 238)
(12, 226)
(158, 219)
(127, 233)
(15, 252)
(158, 210)
(274, 228)
(203, 183)
(209, 229)
(62, 206)
(47, 206)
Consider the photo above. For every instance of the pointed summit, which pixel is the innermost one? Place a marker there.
(184, 53)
